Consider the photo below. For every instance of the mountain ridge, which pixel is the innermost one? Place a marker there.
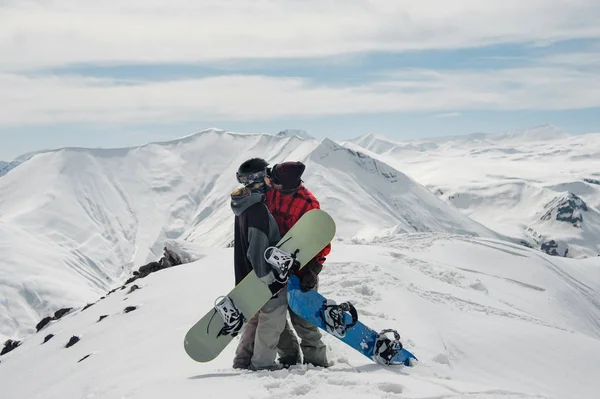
(99, 213)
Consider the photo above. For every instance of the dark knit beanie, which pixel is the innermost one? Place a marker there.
(288, 174)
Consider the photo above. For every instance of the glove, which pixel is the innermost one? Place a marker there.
(309, 278)
(275, 287)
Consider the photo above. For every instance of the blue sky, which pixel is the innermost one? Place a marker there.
(127, 88)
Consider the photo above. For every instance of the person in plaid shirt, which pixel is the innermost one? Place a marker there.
(287, 200)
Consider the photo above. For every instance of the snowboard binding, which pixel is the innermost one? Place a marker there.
(234, 320)
(283, 263)
(386, 348)
(333, 317)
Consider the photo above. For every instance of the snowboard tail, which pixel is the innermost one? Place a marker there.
(207, 338)
(309, 305)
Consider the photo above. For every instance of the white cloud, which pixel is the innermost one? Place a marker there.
(42, 100)
(48, 33)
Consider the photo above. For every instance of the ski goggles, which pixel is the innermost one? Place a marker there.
(252, 178)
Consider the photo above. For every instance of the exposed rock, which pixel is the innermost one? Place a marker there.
(169, 259)
(83, 358)
(61, 312)
(48, 338)
(43, 323)
(130, 309)
(104, 316)
(294, 132)
(74, 339)
(133, 288)
(566, 208)
(551, 247)
(9, 345)
(87, 306)
(57, 315)
(525, 244)
(131, 280)
(592, 181)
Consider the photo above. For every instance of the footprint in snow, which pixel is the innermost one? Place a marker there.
(442, 358)
(390, 387)
(300, 390)
(479, 287)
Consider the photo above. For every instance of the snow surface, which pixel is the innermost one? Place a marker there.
(504, 181)
(487, 319)
(86, 218)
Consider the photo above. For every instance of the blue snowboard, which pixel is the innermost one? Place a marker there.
(308, 305)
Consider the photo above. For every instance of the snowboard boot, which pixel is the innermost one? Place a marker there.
(288, 361)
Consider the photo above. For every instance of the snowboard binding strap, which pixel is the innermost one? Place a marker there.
(386, 348)
(333, 317)
(284, 264)
(233, 319)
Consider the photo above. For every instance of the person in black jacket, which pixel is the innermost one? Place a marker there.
(255, 230)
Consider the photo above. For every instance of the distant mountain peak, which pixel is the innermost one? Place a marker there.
(567, 207)
(6, 167)
(294, 132)
(541, 132)
(364, 161)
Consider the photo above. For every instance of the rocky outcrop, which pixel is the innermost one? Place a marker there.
(9, 345)
(551, 247)
(74, 339)
(566, 208)
(57, 315)
(592, 181)
(169, 259)
(548, 245)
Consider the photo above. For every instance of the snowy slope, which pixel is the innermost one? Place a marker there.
(508, 181)
(87, 217)
(368, 198)
(487, 320)
(92, 215)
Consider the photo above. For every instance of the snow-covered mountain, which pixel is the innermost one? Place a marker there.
(381, 144)
(294, 132)
(510, 181)
(6, 167)
(85, 218)
(487, 320)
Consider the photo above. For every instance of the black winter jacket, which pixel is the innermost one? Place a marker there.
(255, 230)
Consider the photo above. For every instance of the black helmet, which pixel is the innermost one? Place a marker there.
(252, 171)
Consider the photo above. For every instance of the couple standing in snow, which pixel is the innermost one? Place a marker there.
(267, 206)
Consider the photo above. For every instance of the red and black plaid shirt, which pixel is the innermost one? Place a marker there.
(287, 209)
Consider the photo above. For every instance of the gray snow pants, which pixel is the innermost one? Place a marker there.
(257, 348)
(313, 349)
